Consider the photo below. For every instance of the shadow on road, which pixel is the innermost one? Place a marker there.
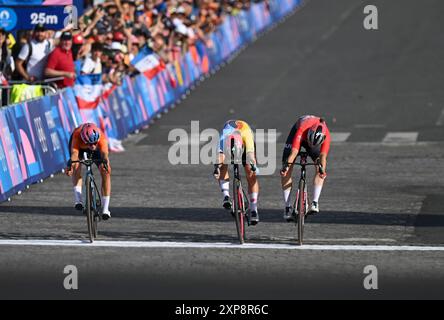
(266, 215)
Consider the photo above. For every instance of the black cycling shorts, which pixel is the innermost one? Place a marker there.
(244, 155)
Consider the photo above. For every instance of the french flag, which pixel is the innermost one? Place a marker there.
(88, 90)
(148, 62)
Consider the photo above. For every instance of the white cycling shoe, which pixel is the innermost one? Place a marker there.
(106, 215)
(288, 214)
(314, 208)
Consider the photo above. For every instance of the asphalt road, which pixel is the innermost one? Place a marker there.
(381, 94)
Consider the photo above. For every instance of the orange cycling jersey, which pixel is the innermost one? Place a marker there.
(78, 144)
(303, 125)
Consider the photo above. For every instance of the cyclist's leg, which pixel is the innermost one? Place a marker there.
(106, 184)
(76, 180)
(253, 184)
(318, 182)
(286, 181)
(224, 182)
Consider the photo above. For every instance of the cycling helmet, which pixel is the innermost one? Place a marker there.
(316, 134)
(234, 149)
(89, 133)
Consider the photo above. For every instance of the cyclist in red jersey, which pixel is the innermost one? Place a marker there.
(90, 139)
(312, 133)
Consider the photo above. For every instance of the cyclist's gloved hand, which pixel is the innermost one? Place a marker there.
(216, 172)
(105, 165)
(284, 170)
(68, 169)
(254, 168)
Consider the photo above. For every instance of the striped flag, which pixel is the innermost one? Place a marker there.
(148, 62)
(88, 90)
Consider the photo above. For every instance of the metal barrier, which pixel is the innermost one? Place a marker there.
(48, 86)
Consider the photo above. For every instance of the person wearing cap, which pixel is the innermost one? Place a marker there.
(93, 62)
(33, 56)
(61, 62)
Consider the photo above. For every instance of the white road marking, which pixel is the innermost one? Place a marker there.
(440, 121)
(339, 136)
(400, 137)
(136, 138)
(215, 245)
(369, 126)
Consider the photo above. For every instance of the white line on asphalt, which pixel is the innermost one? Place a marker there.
(136, 138)
(440, 120)
(400, 137)
(369, 126)
(339, 136)
(215, 245)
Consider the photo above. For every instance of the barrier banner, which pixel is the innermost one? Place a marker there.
(34, 135)
(33, 142)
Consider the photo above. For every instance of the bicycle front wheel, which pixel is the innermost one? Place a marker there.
(89, 209)
(301, 211)
(97, 206)
(238, 212)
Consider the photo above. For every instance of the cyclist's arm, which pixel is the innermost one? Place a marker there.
(323, 160)
(105, 156)
(74, 154)
(292, 157)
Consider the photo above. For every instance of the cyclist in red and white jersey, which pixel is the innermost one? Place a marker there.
(312, 133)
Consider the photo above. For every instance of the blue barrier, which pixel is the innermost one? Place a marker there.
(34, 135)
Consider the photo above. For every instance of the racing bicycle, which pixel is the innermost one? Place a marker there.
(301, 201)
(93, 201)
(240, 199)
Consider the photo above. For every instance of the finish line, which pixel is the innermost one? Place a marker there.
(214, 245)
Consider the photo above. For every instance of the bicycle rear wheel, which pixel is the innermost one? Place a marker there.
(301, 211)
(238, 211)
(89, 209)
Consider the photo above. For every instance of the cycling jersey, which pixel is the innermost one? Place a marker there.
(302, 126)
(298, 138)
(76, 142)
(245, 131)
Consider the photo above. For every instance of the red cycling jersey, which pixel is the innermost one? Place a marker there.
(305, 123)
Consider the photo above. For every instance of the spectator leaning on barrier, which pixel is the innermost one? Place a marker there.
(61, 62)
(33, 56)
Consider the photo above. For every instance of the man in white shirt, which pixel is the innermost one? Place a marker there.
(33, 56)
(93, 63)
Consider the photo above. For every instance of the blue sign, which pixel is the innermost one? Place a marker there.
(51, 17)
(8, 19)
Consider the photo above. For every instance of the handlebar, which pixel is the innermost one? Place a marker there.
(302, 162)
(90, 162)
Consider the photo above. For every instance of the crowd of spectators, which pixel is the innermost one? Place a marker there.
(109, 35)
